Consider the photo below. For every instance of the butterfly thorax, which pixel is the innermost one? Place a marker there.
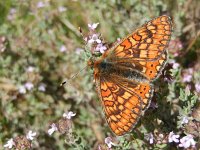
(104, 67)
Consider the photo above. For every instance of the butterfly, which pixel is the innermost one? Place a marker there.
(124, 74)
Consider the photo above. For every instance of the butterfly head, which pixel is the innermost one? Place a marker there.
(90, 62)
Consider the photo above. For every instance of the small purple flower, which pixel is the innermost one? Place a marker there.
(149, 137)
(10, 143)
(100, 48)
(28, 85)
(69, 115)
(52, 129)
(94, 38)
(42, 87)
(63, 48)
(93, 26)
(197, 87)
(108, 142)
(62, 9)
(12, 13)
(41, 4)
(118, 39)
(22, 90)
(187, 75)
(173, 137)
(175, 65)
(78, 50)
(30, 69)
(31, 135)
(184, 120)
(187, 141)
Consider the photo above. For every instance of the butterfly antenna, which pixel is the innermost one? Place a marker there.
(76, 74)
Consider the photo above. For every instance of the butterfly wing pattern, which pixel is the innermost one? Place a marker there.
(124, 73)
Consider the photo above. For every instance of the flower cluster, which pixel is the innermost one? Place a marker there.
(21, 142)
(175, 46)
(63, 125)
(93, 39)
(185, 142)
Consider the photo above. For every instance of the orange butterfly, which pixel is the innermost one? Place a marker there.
(124, 73)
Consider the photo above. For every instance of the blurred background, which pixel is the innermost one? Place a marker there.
(40, 46)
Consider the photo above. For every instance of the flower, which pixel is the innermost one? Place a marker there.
(63, 48)
(149, 137)
(173, 137)
(22, 90)
(42, 87)
(9, 144)
(30, 135)
(108, 142)
(30, 69)
(78, 50)
(11, 14)
(52, 129)
(187, 141)
(101, 48)
(94, 38)
(93, 26)
(187, 77)
(41, 4)
(62, 9)
(175, 65)
(28, 85)
(118, 39)
(197, 87)
(184, 120)
(69, 115)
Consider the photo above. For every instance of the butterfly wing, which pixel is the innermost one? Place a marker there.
(145, 48)
(123, 101)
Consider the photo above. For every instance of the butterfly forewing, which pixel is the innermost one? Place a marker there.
(146, 43)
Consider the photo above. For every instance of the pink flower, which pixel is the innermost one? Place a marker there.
(101, 48)
(52, 129)
(69, 115)
(187, 75)
(197, 87)
(30, 69)
(175, 65)
(63, 48)
(22, 90)
(31, 135)
(108, 142)
(78, 50)
(187, 141)
(184, 120)
(42, 4)
(149, 137)
(94, 38)
(173, 137)
(9, 144)
(28, 85)
(42, 87)
(93, 26)
(62, 9)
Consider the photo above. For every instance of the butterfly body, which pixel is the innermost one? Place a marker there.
(124, 73)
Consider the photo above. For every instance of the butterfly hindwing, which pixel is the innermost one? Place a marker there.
(123, 102)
